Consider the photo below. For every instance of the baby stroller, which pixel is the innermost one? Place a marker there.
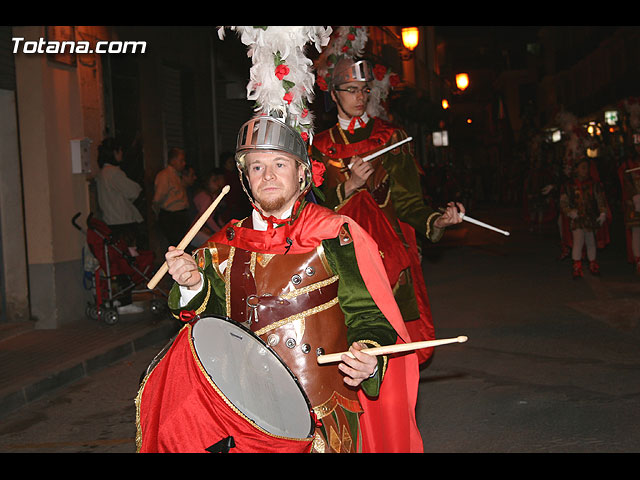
(118, 272)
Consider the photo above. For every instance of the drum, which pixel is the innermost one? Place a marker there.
(252, 377)
(219, 387)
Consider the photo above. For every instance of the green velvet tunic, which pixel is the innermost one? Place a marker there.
(363, 319)
(406, 191)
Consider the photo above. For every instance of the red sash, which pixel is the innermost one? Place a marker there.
(380, 135)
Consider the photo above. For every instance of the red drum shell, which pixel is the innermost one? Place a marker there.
(181, 409)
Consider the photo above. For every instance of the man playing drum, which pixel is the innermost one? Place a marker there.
(384, 194)
(307, 281)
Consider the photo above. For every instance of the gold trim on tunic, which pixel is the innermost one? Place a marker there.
(297, 316)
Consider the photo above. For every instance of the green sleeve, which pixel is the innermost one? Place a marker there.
(210, 299)
(365, 322)
(407, 198)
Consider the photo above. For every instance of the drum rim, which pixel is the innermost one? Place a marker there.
(275, 354)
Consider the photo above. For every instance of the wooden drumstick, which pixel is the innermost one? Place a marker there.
(400, 347)
(188, 237)
(629, 170)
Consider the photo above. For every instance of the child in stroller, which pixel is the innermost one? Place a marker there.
(121, 269)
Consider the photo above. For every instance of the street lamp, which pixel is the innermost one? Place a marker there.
(462, 81)
(410, 37)
(445, 104)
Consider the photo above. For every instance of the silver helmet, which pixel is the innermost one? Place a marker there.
(349, 70)
(269, 133)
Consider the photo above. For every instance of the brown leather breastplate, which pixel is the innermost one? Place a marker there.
(290, 301)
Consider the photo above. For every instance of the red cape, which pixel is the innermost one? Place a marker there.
(388, 422)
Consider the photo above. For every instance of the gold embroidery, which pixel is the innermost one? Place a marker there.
(335, 400)
(346, 171)
(344, 137)
(385, 358)
(297, 316)
(206, 300)
(252, 264)
(346, 439)
(386, 200)
(227, 280)
(310, 288)
(429, 222)
(265, 258)
(319, 446)
(203, 305)
(334, 440)
(339, 194)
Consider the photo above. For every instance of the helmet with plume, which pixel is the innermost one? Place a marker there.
(281, 82)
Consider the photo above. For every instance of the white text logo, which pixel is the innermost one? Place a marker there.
(68, 46)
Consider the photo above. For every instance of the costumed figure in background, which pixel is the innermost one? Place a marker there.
(383, 195)
(303, 279)
(583, 202)
(575, 148)
(629, 175)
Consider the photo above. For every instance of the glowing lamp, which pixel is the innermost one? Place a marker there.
(462, 81)
(445, 104)
(410, 37)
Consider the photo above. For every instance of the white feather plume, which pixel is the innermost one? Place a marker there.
(346, 41)
(287, 97)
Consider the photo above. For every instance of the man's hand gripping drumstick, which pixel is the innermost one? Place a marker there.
(183, 267)
(389, 349)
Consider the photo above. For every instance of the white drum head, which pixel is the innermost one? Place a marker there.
(252, 377)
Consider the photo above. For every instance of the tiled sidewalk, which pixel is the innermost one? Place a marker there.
(34, 362)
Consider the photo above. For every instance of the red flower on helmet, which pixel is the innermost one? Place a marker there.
(282, 70)
(379, 71)
(317, 169)
(394, 80)
(322, 83)
(288, 97)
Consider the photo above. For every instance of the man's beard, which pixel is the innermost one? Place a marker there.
(272, 205)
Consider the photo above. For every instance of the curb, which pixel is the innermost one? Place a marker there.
(12, 401)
